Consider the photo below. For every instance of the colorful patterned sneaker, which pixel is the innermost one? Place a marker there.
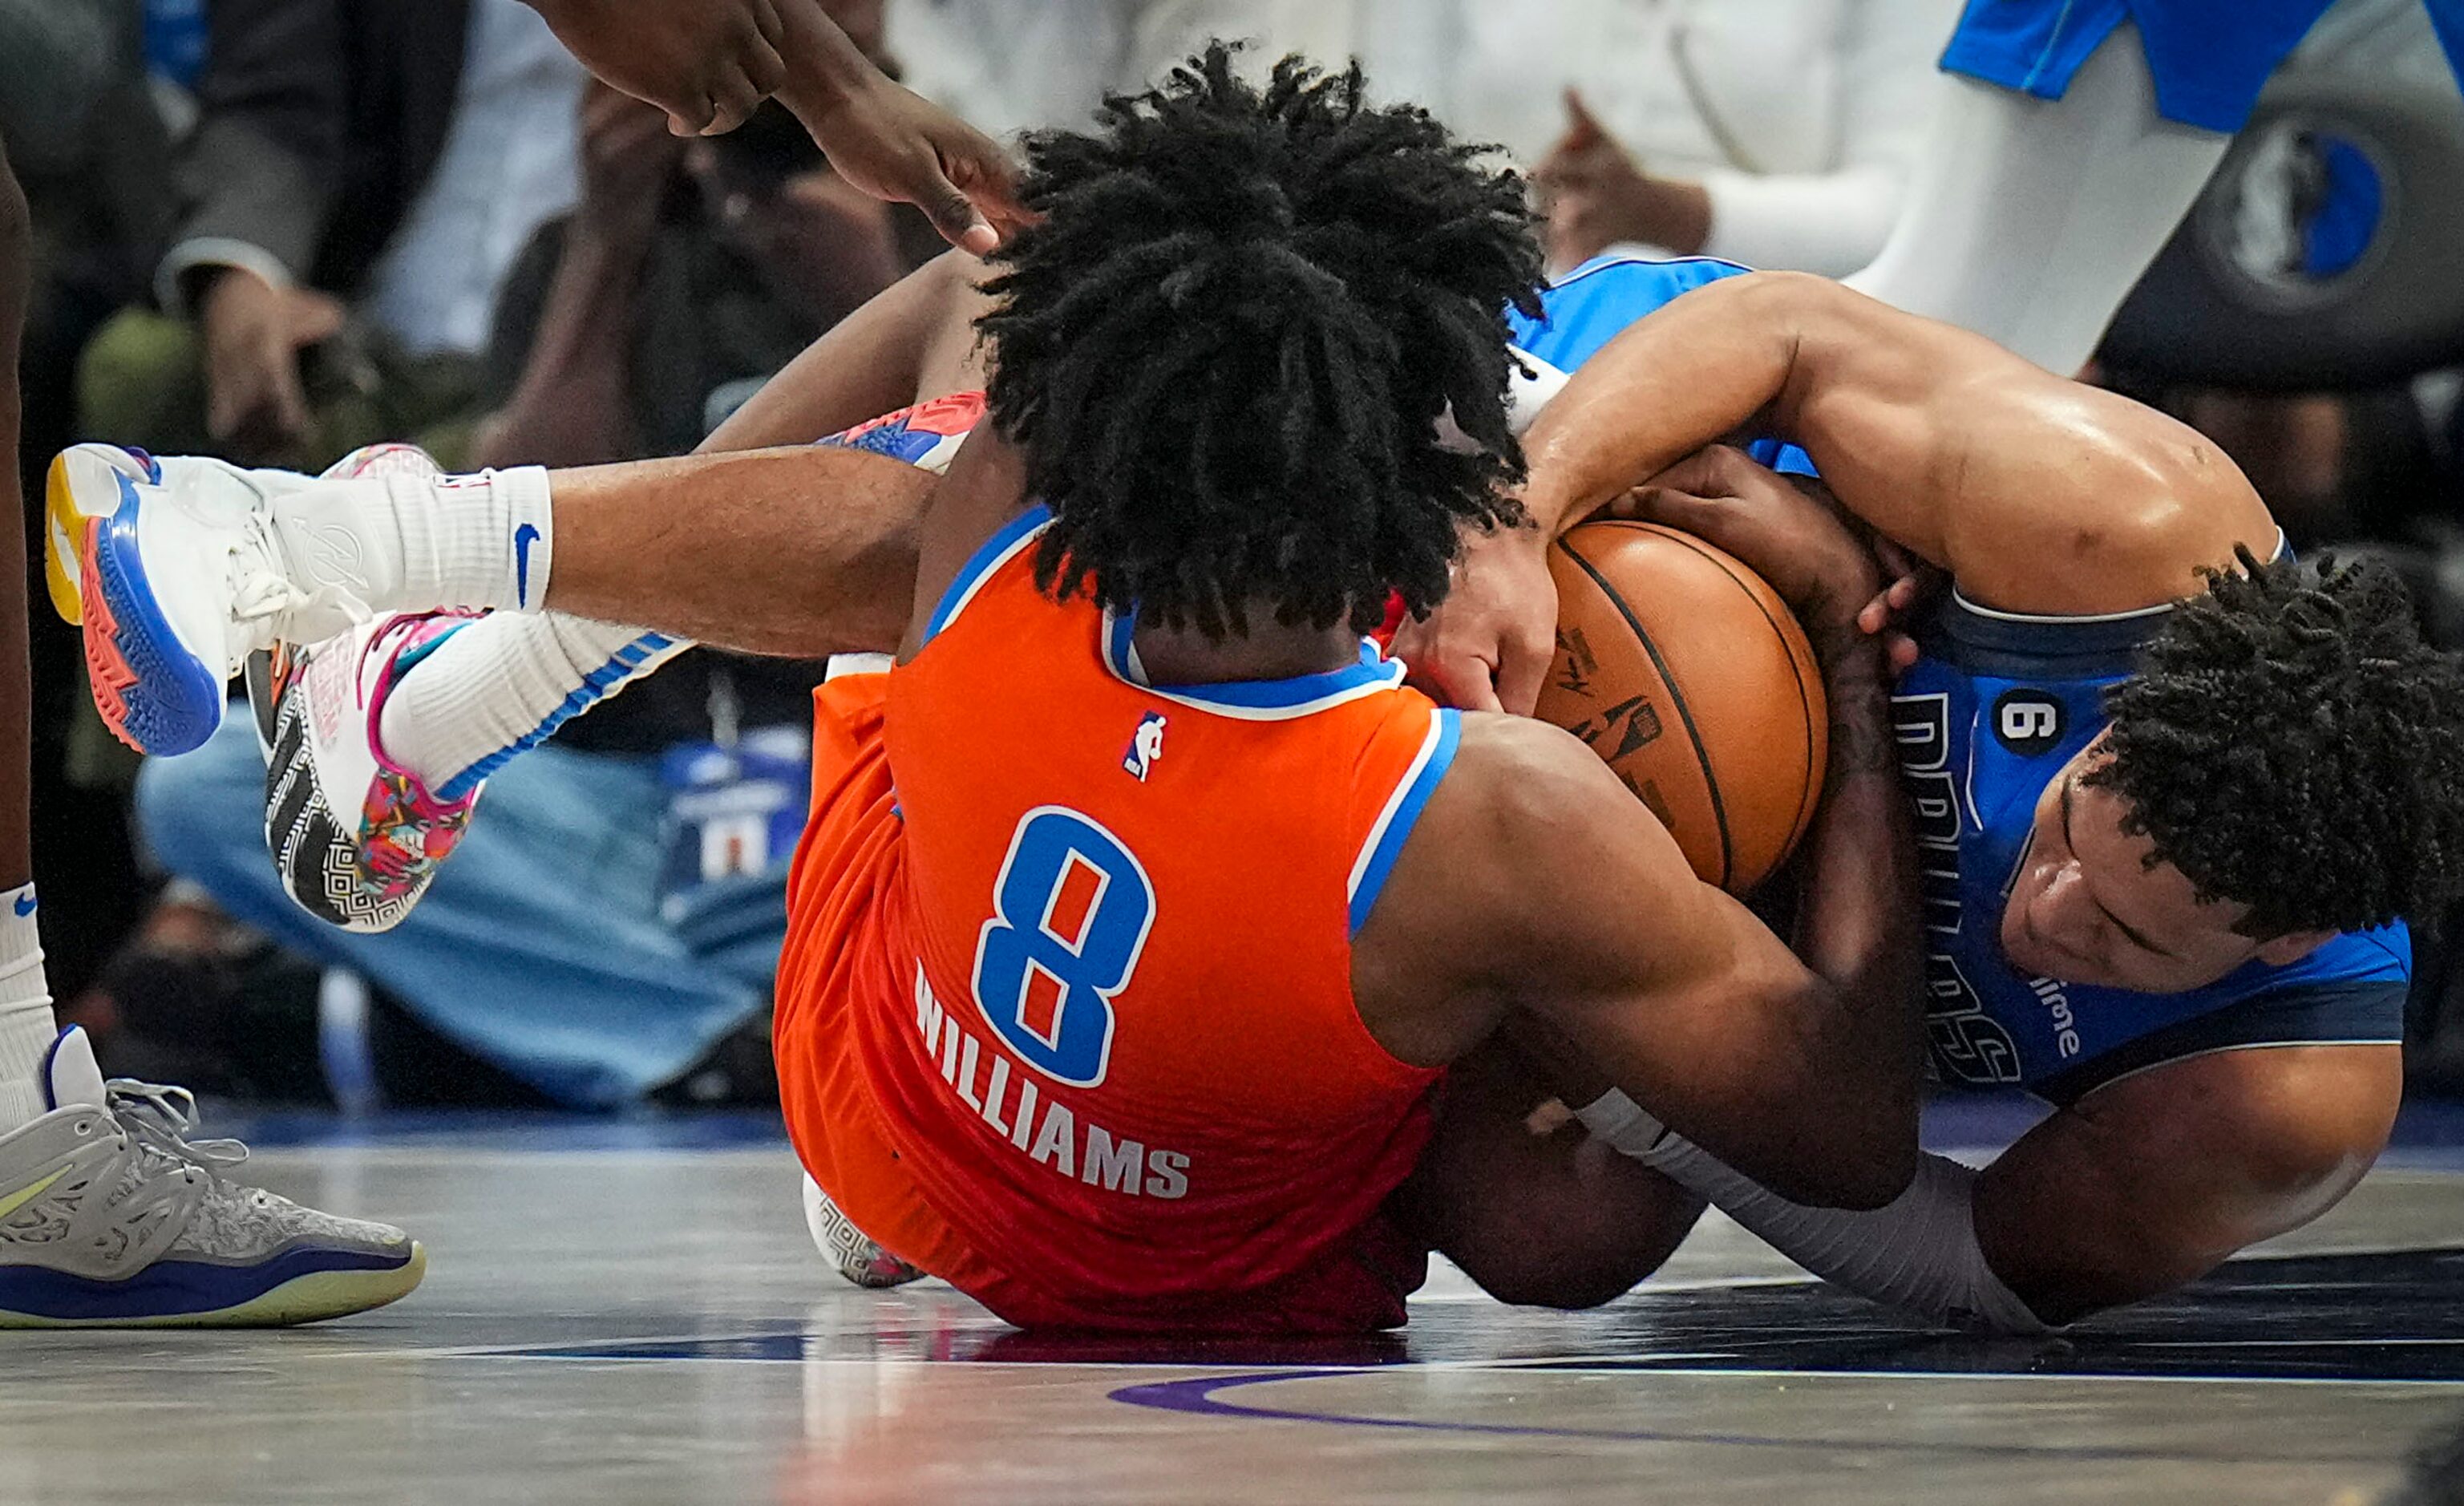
(110, 1217)
(850, 1250)
(177, 578)
(355, 837)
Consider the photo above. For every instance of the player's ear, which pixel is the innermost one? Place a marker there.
(2292, 946)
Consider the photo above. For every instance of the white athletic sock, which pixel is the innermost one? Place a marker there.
(2030, 220)
(410, 542)
(501, 685)
(1917, 1253)
(27, 1028)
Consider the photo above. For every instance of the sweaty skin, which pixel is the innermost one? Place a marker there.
(2037, 495)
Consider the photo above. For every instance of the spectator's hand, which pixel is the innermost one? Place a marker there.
(1489, 644)
(1789, 536)
(628, 158)
(255, 332)
(707, 63)
(1595, 195)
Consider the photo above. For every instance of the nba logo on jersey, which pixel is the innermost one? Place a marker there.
(1146, 747)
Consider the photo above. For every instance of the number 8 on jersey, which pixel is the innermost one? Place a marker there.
(1071, 909)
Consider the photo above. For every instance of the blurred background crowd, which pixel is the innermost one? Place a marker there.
(278, 229)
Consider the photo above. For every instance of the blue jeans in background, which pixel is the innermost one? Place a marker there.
(542, 947)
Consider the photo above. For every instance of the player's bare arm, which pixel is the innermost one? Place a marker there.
(913, 342)
(2154, 1181)
(1537, 882)
(2039, 494)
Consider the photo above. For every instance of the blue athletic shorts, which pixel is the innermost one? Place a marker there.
(2209, 58)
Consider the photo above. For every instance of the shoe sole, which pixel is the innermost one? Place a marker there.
(64, 521)
(152, 693)
(309, 1298)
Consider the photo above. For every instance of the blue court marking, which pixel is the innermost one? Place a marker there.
(1200, 1396)
(501, 1129)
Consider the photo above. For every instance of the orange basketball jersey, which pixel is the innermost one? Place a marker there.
(1106, 1023)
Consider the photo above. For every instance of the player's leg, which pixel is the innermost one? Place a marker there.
(1531, 1208)
(2152, 1181)
(187, 567)
(372, 771)
(26, 1026)
(114, 1217)
(2030, 220)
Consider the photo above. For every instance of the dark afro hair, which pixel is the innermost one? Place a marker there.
(2291, 744)
(1225, 350)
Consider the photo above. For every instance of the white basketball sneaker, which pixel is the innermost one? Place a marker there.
(110, 1217)
(850, 1250)
(179, 573)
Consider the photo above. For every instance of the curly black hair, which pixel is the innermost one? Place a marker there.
(1225, 350)
(2291, 745)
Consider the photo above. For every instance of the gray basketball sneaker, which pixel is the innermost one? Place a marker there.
(110, 1217)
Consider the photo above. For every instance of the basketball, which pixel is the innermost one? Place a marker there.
(1686, 672)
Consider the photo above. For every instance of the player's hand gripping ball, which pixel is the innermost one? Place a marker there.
(1689, 671)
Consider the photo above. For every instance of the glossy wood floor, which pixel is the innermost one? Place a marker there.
(610, 1320)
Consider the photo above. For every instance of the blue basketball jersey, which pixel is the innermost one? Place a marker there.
(1586, 308)
(1989, 716)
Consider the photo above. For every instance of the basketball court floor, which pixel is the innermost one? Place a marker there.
(631, 1313)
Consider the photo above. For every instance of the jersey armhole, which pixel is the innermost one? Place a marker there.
(1394, 824)
(1005, 545)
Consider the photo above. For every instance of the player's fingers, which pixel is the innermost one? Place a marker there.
(1522, 670)
(764, 55)
(733, 97)
(987, 174)
(1713, 470)
(1902, 652)
(954, 215)
(1682, 511)
(691, 110)
(773, 26)
(1456, 678)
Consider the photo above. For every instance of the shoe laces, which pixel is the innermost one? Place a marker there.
(261, 590)
(160, 1117)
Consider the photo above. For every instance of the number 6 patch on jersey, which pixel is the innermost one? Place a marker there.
(1071, 909)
